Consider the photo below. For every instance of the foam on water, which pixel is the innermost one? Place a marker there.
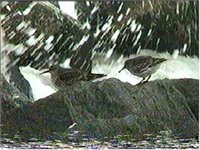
(41, 85)
(68, 7)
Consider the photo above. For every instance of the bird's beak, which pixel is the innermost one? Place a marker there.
(44, 72)
(121, 69)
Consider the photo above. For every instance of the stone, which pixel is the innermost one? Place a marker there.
(109, 108)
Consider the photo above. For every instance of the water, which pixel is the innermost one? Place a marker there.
(164, 139)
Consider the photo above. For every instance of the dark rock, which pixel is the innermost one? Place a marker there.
(11, 97)
(109, 108)
(16, 78)
(20, 82)
(165, 27)
(82, 57)
(43, 21)
(190, 93)
(20, 25)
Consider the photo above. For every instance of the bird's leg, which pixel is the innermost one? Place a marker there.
(142, 80)
(147, 79)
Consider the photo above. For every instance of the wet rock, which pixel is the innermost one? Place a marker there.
(11, 97)
(82, 57)
(133, 19)
(38, 32)
(111, 107)
(14, 75)
(31, 31)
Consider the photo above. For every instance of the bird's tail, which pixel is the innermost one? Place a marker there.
(159, 60)
(44, 72)
(92, 76)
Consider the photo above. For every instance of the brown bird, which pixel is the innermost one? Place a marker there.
(143, 66)
(62, 77)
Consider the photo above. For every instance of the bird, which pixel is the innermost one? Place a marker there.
(143, 66)
(62, 77)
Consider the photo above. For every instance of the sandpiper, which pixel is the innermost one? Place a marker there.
(143, 66)
(62, 77)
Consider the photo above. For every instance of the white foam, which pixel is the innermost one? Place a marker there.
(120, 17)
(94, 9)
(29, 8)
(68, 7)
(41, 85)
(115, 36)
(128, 11)
(120, 7)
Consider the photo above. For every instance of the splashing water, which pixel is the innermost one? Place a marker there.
(176, 67)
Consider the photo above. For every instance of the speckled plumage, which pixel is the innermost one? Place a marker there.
(62, 77)
(143, 66)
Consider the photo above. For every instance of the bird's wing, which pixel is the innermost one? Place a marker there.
(141, 63)
(92, 76)
(71, 75)
(157, 61)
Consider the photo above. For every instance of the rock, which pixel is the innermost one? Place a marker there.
(190, 93)
(11, 97)
(82, 57)
(111, 107)
(20, 82)
(39, 30)
(138, 19)
(29, 39)
(14, 76)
